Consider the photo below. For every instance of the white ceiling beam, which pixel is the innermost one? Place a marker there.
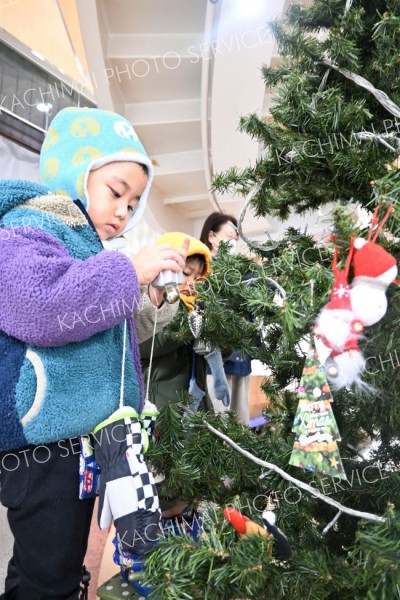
(173, 111)
(170, 48)
(231, 199)
(195, 214)
(90, 24)
(187, 199)
(178, 162)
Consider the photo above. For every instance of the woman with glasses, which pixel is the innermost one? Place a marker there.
(217, 228)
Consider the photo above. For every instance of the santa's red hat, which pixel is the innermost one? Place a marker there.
(339, 301)
(371, 262)
(340, 294)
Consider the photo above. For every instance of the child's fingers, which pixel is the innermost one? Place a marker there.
(150, 260)
(176, 254)
(185, 245)
(183, 249)
(172, 265)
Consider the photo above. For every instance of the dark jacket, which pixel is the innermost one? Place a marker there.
(171, 369)
(238, 364)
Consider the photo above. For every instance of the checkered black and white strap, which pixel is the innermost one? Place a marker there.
(143, 478)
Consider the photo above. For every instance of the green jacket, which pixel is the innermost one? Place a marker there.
(171, 369)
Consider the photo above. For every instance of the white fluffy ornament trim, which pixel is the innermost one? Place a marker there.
(350, 365)
(336, 327)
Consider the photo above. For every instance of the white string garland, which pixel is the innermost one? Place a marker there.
(249, 242)
(331, 523)
(369, 136)
(381, 96)
(297, 482)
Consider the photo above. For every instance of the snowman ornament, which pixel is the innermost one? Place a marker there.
(352, 308)
(374, 269)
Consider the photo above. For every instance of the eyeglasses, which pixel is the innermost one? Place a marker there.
(236, 237)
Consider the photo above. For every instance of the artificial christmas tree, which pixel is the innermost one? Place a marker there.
(329, 140)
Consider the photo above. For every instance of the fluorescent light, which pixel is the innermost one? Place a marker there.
(38, 55)
(251, 8)
(44, 107)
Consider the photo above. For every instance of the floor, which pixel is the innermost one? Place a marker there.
(94, 555)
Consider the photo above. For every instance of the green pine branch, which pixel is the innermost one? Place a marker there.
(310, 157)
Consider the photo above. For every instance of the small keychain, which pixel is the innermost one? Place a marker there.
(89, 470)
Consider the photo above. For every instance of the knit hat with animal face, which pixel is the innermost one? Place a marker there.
(80, 140)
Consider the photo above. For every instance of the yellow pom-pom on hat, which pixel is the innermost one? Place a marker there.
(176, 239)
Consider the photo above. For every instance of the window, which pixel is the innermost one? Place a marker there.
(30, 97)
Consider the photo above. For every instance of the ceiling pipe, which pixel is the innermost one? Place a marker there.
(207, 72)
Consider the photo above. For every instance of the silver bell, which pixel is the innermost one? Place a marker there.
(171, 294)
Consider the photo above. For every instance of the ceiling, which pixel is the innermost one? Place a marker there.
(52, 41)
(183, 71)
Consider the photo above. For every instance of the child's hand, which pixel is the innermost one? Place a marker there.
(152, 259)
(156, 295)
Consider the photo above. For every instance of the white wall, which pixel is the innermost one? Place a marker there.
(16, 162)
(241, 48)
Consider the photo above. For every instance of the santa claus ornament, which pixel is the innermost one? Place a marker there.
(338, 330)
(352, 308)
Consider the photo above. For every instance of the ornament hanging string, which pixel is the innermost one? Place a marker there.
(121, 392)
(151, 355)
(373, 235)
(348, 259)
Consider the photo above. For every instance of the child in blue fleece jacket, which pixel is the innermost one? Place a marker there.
(64, 297)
